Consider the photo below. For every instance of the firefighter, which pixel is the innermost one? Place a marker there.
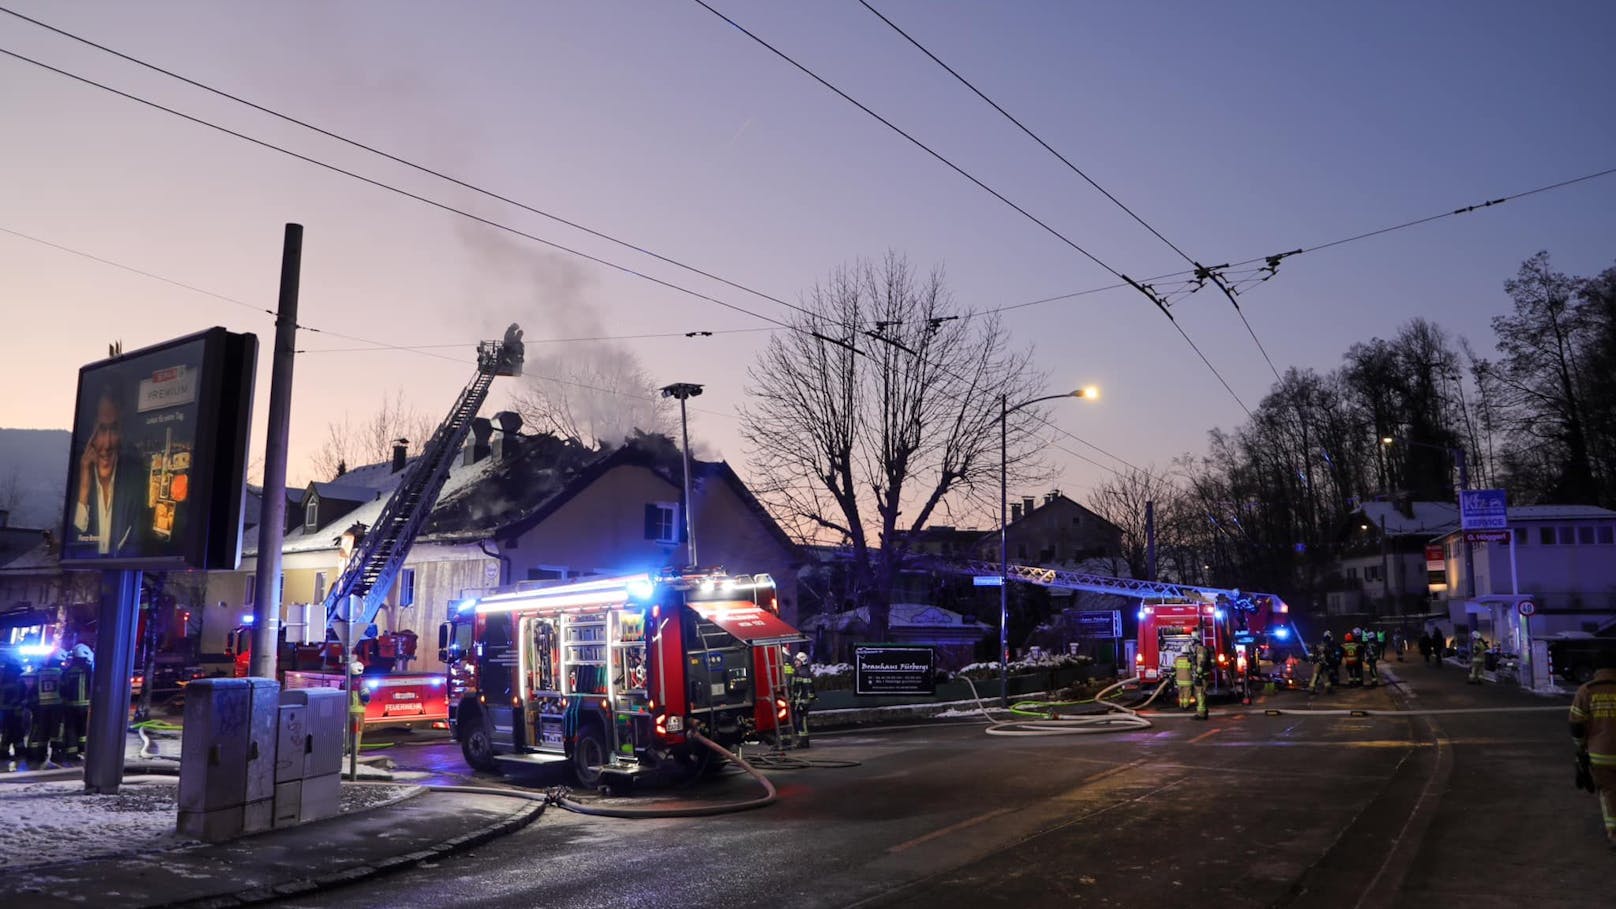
(1184, 677)
(1201, 671)
(357, 697)
(1352, 658)
(1593, 730)
(1478, 658)
(1322, 673)
(800, 678)
(46, 705)
(13, 711)
(1371, 656)
(76, 699)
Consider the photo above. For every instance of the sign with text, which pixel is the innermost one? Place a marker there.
(894, 669)
(1486, 536)
(1483, 509)
(1436, 568)
(1103, 623)
(987, 580)
(157, 469)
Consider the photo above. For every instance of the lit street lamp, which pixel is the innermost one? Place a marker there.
(684, 391)
(1088, 393)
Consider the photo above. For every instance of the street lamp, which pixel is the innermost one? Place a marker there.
(684, 391)
(1089, 393)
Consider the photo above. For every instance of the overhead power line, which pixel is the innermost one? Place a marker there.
(398, 159)
(615, 266)
(1143, 289)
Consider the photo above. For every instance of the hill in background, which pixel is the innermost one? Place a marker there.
(33, 475)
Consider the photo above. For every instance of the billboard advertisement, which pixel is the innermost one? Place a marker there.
(157, 467)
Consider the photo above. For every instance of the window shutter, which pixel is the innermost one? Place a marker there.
(652, 513)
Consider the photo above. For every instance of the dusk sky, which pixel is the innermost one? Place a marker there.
(1236, 130)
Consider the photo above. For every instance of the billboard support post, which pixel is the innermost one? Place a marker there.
(115, 659)
(272, 526)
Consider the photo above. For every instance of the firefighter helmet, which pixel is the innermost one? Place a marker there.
(801, 657)
(83, 652)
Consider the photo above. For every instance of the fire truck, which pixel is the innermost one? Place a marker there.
(1250, 635)
(613, 674)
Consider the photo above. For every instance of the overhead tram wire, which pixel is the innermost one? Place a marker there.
(403, 192)
(375, 345)
(398, 159)
(1201, 271)
(1142, 288)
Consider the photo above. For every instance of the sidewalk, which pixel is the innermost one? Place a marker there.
(66, 847)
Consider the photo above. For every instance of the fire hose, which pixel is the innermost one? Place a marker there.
(1117, 718)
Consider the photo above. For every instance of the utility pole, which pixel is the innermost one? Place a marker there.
(1150, 541)
(684, 391)
(1385, 576)
(272, 525)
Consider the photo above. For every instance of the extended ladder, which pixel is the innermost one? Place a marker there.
(379, 556)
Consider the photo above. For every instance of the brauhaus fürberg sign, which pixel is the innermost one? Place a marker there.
(894, 669)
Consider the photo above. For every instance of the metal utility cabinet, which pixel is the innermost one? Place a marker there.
(308, 755)
(227, 757)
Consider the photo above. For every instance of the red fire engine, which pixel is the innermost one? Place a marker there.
(611, 674)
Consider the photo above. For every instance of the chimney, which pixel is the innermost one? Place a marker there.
(1051, 496)
(1026, 504)
(509, 422)
(1015, 512)
(401, 449)
(481, 430)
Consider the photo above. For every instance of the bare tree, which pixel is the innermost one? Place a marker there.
(597, 395)
(348, 445)
(1121, 499)
(878, 411)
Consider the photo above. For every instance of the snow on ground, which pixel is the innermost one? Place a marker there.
(52, 821)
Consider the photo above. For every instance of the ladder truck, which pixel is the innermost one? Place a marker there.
(1243, 630)
(351, 604)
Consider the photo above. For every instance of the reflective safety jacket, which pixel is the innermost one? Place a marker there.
(48, 686)
(1593, 720)
(1350, 651)
(76, 684)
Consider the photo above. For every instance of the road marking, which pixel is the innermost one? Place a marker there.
(1206, 735)
(952, 828)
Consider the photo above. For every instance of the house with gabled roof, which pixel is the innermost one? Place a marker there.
(530, 510)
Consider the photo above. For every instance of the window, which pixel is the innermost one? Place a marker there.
(1545, 535)
(1520, 536)
(1607, 534)
(252, 589)
(661, 522)
(1352, 572)
(406, 587)
(1585, 536)
(1371, 572)
(1567, 535)
(319, 587)
(311, 514)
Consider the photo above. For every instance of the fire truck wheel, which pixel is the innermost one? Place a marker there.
(477, 742)
(589, 755)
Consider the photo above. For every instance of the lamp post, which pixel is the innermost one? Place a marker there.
(684, 391)
(1458, 456)
(1088, 393)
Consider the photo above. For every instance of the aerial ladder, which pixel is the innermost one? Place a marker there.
(378, 556)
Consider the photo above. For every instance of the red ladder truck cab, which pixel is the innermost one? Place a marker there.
(611, 674)
(1166, 628)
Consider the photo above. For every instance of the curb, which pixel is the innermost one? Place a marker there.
(303, 886)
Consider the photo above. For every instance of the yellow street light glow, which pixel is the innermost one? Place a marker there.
(1089, 392)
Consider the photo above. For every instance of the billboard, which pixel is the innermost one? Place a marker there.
(1483, 509)
(894, 669)
(157, 467)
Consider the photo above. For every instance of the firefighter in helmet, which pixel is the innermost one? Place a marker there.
(1201, 674)
(1371, 656)
(1478, 658)
(1184, 676)
(1352, 657)
(800, 677)
(13, 710)
(45, 702)
(76, 699)
(1323, 658)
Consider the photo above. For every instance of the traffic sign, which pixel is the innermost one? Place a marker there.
(987, 580)
(1527, 607)
(1483, 509)
(1486, 536)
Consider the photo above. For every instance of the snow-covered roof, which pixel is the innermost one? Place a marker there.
(377, 482)
(1428, 518)
(899, 615)
(1558, 512)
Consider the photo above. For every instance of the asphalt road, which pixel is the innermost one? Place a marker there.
(1463, 798)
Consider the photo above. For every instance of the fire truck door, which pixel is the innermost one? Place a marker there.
(500, 685)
